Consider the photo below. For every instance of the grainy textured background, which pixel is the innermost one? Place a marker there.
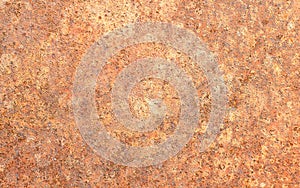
(257, 47)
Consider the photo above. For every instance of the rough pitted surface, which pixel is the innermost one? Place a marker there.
(255, 43)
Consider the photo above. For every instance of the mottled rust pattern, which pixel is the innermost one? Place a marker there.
(257, 47)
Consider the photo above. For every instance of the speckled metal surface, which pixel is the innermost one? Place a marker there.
(256, 47)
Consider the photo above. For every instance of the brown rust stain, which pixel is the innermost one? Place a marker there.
(257, 47)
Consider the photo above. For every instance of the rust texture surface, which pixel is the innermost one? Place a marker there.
(138, 93)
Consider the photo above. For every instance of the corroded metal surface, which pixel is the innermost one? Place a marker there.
(254, 43)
